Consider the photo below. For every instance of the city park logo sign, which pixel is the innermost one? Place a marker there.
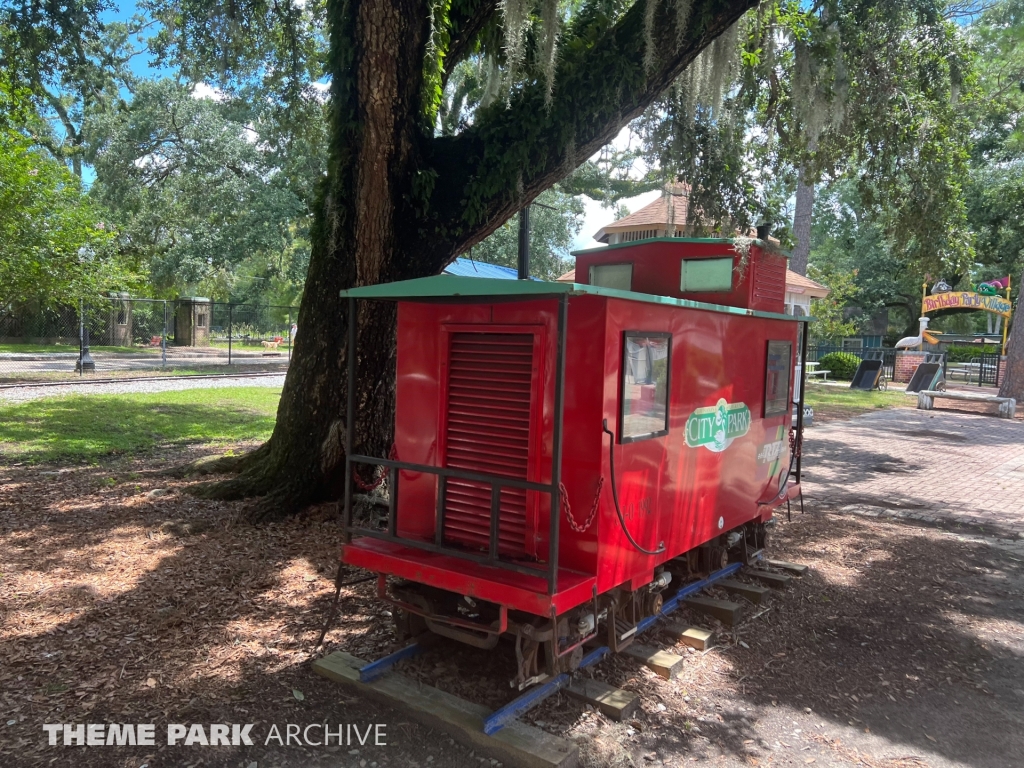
(716, 426)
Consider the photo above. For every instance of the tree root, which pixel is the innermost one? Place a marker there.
(211, 465)
(258, 476)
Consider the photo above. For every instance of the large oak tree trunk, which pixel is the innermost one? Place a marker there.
(399, 203)
(355, 242)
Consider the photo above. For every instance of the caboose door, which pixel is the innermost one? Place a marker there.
(491, 407)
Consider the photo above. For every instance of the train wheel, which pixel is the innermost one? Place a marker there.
(409, 625)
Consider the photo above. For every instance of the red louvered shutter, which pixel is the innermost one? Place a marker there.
(768, 291)
(488, 425)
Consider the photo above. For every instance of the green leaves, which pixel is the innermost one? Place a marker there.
(553, 225)
(832, 323)
(995, 188)
(196, 193)
(53, 242)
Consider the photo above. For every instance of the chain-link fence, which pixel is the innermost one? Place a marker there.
(116, 336)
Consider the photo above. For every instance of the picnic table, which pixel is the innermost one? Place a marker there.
(963, 369)
(971, 370)
(813, 371)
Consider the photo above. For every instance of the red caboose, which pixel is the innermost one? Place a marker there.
(565, 451)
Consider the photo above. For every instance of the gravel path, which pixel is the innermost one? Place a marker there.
(21, 394)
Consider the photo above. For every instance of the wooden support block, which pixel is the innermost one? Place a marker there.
(613, 702)
(517, 744)
(774, 580)
(695, 637)
(662, 663)
(751, 592)
(795, 568)
(726, 611)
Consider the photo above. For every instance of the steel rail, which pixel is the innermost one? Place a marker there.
(506, 714)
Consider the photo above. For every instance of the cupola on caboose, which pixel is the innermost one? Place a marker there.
(565, 451)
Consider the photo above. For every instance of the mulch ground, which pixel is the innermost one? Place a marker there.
(125, 600)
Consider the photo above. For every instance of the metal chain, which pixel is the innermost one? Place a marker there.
(568, 510)
(367, 487)
(794, 444)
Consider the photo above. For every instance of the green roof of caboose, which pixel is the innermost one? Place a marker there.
(452, 286)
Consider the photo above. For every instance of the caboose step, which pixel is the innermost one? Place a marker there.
(795, 568)
(613, 702)
(775, 580)
(517, 744)
(726, 611)
(751, 592)
(662, 663)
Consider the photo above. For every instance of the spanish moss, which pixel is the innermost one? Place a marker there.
(516, 15)
(682, 17)
(550, 20)
(650, 49)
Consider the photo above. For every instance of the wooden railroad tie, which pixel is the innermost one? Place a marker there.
(662, 663)
(695, 637)
(751, 592)
(775, 580)
(794, 568)
(613, 702)
(726, 611)
(517, 744)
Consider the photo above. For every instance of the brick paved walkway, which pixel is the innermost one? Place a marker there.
(958, 470)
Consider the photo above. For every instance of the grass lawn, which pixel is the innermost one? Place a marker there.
(831, 403)
(89, 427)
(38, 349)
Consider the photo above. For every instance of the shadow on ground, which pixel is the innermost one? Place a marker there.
(111, 616)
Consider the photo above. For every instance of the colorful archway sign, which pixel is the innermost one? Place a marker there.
(985, 298)
(965, 300)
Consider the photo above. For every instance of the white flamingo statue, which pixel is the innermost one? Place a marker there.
(913, 341)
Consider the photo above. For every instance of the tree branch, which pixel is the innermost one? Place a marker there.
(511, 154)
(468, 18)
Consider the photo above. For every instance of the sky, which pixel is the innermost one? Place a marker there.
(596, 216)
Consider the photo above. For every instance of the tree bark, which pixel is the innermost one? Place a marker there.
(400, 203)
(1012, 384)
(802, 222)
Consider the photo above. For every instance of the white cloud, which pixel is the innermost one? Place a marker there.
(321, 91)
(596, 216)
(204, 91)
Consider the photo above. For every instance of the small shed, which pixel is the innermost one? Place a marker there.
(119, 322)
(192, 322)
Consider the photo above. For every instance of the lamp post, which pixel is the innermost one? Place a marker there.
(85, 363)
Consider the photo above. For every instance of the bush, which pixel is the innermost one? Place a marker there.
(841, 364)
(964, 353)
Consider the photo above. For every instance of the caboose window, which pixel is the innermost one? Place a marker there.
(705, 275)
(776, 377)
(646, 359)
(617, 276)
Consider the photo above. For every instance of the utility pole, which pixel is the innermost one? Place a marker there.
(524, 243)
